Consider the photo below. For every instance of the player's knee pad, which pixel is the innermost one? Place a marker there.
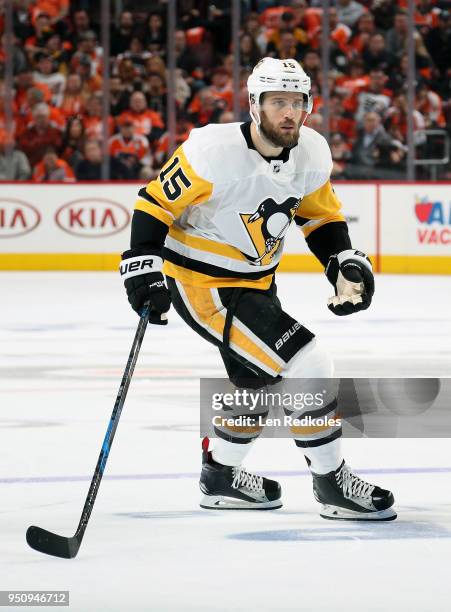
(312, 361)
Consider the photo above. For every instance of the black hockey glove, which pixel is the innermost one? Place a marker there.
(351, 274)
(144, 282)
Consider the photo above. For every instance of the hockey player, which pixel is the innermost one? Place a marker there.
(217, 215)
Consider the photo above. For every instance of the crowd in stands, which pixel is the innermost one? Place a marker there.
(58, 66)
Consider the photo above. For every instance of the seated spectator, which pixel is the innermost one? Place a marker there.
(46, 72)
(131, 149)
(73, 141)
(365, 27)
(146, 122)
(371, 154)
(39, 135)
(340, 155)
(430, 105)
(258, 33)
(119, 96)
(52, 168)
(205, 107)
(57, 10)
(74, 98)
(287, 24)
(349, 12)
(82, 65)
(396, 120)
(182, 129)
(42, 28)
(287, 48)
(250, 53)
(122, 34)
(375, 55)
(154, 34)
(156, 94)
(438, 44)
(185, 58)
(19, 60)
(88, 47)
(221, 86)
(93, 118)
(14, 165)
(311, 63)
(373, 97)
(81, 23)
(137, 55)
(90, 168)
(34, 97)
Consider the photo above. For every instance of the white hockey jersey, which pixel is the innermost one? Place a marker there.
(228, 208)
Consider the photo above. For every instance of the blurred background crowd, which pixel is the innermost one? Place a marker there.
(58, 79)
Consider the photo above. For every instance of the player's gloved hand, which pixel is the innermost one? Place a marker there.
(351, 273)
(144, 282)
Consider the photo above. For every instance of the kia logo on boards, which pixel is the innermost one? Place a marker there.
(92, 217)
(17, 218)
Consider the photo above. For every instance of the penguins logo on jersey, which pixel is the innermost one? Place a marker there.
(267, 227)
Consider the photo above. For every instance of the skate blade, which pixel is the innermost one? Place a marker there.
(221, 502)
(335, 513)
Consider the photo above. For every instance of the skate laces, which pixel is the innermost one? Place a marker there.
(241, 478)
(352, 485)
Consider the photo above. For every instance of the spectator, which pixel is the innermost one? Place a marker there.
(375, 55)
(52, 168)
(119, 96)
(39, 135)
(312, 64)
(287, 24)
(74, 98)
(430, 105)
(57, 10)
(364, 29)
(221, 86)
(93, 118)
(35, 97)
(46, 72)
(253, 27)
(340, 155)
(82, 65)
(287, 48)
(123, 33)
(73, 142)
(131, 149)
(90, 168)
(349, 12)
(42, 29)
(249, 51)
(205, 107)
(156, 94)
(438, 43)
(88, 47)
(14, 165)
(372, 149)
(19, 60)
(146, 122)
(185, 58)
(373, 97)
(81, 24)
(154, 35)
(137, 55)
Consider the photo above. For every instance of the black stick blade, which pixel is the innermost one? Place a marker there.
(52, 544)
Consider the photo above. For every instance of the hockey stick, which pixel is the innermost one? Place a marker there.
(52, 544)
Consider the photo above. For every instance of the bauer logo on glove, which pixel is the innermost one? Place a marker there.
(351, 273)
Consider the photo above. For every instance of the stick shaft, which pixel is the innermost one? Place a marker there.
(114, 421)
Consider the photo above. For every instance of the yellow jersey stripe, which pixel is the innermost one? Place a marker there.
(204, 244)
(154, 210)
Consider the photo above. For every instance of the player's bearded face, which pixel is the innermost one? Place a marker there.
(281, 127)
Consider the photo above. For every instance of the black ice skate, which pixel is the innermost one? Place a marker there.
(345, 496)
(233, 488)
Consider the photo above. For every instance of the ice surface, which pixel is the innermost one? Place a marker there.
(65, 338)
